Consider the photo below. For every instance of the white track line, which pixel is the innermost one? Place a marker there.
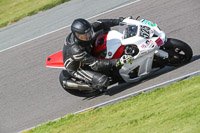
(70, 25)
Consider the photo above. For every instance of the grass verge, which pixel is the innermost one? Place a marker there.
(14, 10)
(175, 108)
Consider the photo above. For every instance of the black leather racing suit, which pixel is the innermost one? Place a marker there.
(81, 64)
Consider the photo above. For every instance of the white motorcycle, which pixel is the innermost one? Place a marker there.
(141, 47)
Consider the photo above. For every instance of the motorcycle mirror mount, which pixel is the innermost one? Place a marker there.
(137, 17)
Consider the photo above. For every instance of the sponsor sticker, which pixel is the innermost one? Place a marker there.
(159, 42)
(149, 43)
(153, 46)
(144, 21)
(149, 23)
(152, 24)
(143, 46)
(109, 53)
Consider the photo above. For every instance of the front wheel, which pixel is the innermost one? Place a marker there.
(179, 52)
(64, 76)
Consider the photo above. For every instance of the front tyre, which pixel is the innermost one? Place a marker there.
(64, 76)
(179, 52)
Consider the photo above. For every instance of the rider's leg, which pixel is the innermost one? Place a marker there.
(69, 82)
(95, 79)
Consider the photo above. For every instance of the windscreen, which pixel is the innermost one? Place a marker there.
(128, 30)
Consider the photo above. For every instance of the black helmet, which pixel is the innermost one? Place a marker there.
(82, 29)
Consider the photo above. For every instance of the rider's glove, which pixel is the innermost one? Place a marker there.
(114, 63)
(121, 19)
(124, 60)
(119, 63)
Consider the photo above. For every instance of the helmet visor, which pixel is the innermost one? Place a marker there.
(86, 36)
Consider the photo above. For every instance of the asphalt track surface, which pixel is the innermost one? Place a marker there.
(30, 93)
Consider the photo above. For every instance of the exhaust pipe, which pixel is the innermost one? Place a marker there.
(70, 84)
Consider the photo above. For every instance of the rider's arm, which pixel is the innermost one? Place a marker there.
(87, 59)
(105, 24)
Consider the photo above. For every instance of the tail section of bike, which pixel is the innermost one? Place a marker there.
(55, 60)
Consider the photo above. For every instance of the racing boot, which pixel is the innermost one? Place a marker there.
(100, 81)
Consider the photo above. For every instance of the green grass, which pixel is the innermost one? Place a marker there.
(14, 10)
(172, 109)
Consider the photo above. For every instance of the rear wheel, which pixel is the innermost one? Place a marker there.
(179, 52)
(64, 76)
(83, 93)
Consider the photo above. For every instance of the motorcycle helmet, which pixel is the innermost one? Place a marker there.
(82, 29)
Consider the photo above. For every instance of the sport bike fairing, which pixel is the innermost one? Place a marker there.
(146, 36)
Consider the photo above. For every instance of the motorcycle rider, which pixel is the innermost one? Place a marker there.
(77, 57)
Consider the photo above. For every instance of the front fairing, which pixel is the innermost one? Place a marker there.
(114, 41)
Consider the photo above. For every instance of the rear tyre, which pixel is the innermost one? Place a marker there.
(64, 76)
(179, 52)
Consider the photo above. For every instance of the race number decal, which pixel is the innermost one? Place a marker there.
(144, 31)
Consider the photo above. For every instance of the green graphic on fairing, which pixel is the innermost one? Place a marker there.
(152, 24)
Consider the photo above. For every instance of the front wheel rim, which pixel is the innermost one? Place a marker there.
(176, 56)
